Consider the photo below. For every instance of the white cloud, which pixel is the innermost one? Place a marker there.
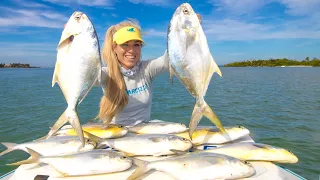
(30, 4)
(301, 7)
(154, 33)
(151, 2)
(32, 18)
(101, 3)
(229, 29)
(239, 6)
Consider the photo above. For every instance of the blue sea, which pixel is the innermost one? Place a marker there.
(280, 106)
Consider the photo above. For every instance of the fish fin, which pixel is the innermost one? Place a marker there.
(178, 152)
(101, 82)
(171, 72)
(195, 119)
(60, 122)
(263, 146)
(41, 138)
(9, 147)
(93, 137)
(56, 73)
(215, 67)
(207, 111)
(34, 158)
(86, 93)
(142, 167)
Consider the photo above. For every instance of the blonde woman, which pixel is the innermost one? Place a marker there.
(128, 80)
(128, 97)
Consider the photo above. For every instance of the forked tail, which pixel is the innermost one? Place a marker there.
(70, 116)
(202, 108)
(142, 167)
(34, 158)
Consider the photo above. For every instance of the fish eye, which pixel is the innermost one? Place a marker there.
(120, 126)
(185, 11)
(246, 162)
(184, 139)
(77, 18)
(123, 157)
(71, 38)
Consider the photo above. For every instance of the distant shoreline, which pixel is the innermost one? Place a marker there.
(315, 62)
(17, 65)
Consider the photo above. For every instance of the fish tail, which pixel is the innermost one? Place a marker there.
(201, 108)
(207, 111)
(142, 167)
(75, 123)
(9, 147)
(195, 118)
(72, 117)
(59, 123)
(93, 137)
(34, 158)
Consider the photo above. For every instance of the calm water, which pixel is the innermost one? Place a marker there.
(280, 106)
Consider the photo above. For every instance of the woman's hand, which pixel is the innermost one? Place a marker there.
(199, 17)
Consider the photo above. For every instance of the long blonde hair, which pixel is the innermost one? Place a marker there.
(116, 96)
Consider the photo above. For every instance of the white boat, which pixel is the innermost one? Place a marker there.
(264, 171)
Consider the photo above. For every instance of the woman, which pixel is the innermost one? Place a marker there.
(128, 97)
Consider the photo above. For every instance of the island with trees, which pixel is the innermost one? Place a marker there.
(16, 65)
(315, 62)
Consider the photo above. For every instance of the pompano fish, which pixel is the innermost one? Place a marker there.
(256, 152)
(214, 136)
(97, 161)
(149, 144)
(191, 61)
(56, 145)
(197, 166)
(158, 128)
(77, 68)
(98, 129)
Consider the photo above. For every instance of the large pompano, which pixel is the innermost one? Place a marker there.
(214, 136)
(97, 161)
(191, 61)
(158, 128)
(197, 166)
(149, 144)
(256, 152)
(77, 68)
(56, 145)
(98, 129)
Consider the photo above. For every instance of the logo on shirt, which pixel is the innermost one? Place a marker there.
(137, 90)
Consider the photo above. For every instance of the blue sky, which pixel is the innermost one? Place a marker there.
(235, 29)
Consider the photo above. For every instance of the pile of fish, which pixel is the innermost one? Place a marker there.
(96, 148)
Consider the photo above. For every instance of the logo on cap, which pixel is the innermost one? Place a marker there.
(131, 30)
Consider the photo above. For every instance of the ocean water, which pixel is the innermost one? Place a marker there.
(280, 106)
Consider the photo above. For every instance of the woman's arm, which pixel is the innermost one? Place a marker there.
(157, 66)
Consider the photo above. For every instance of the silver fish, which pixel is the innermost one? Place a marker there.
(197, 166)
(191, 61)
(158, 128)
(256, 152)
(148, 144)
(55, 145)
(77, 68)
(97, 161)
